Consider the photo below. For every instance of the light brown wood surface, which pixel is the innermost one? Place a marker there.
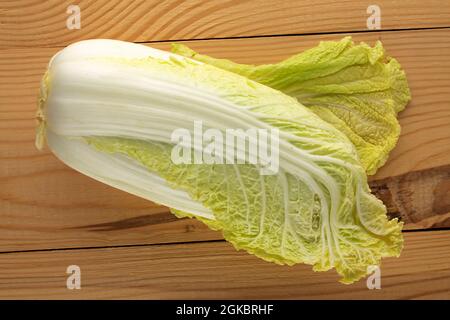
(215, 270)
(421, 199)
(138, 249)
(34, 23)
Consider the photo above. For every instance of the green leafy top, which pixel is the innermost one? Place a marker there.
(354, 87)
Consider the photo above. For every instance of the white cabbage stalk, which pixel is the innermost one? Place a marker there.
(108, 108)
(126, 175)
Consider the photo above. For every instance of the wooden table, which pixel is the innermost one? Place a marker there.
(52, 217)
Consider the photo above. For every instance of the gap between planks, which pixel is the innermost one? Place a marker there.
(345, 32)
(306, 34)
(156, 244)
(216, 271)
(28, 23)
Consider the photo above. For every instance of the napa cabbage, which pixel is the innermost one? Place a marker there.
(107, 109)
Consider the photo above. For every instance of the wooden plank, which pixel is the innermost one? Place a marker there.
(105, 216)
(421, 199)
(31, 23)
(216, 271)
(43, 204)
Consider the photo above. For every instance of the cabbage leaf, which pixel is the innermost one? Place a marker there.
(356, 88)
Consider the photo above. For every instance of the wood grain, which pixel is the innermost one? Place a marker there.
(421, 199)
(44, 204)
(216, 271)
(33, 23)
(109, 217)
